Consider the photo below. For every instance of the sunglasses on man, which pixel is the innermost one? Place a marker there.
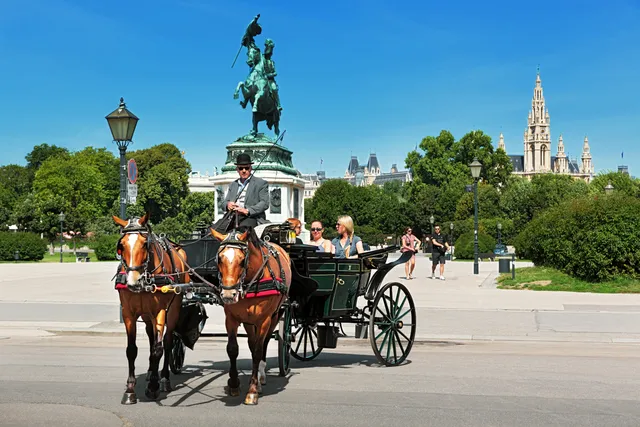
(243, 168)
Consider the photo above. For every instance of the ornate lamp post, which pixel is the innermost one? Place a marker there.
(432, 220)
(499, 233)
(122, 123)
(609, 188)
(476, 168)
(61, 218)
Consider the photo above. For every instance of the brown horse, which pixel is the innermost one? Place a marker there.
(147, 260)
(254, 279)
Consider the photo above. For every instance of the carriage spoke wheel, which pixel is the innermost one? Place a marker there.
(392, 325)
(178, 350)
(284, 342)
(305, 343)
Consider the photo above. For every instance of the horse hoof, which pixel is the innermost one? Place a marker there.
(251, 399)
(165, 385)
(129, 399)
(234, 392)
(151, 395)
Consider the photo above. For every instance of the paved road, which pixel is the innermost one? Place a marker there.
(78, 381)
(80, 297)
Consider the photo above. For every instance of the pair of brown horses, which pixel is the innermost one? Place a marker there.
(243, 264)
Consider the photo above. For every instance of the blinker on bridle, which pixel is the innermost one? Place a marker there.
(232, 241)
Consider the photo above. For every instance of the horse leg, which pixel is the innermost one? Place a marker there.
(262, 368)
(150, 334)
(261, 332)
(172, 321)
(233, 384)
(129, 396)
(254, 119)
(153, 387)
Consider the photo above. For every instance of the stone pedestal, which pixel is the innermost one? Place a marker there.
(274, 164)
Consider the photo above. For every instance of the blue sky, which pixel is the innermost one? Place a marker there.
(354, 76)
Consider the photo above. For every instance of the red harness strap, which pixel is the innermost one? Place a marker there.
(265, 292)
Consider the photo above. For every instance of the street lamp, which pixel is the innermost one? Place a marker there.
(122, 123)
(499, 233)
(609, 188)
(432, 220)
(61, 218)
(476, 168)
(451, 235)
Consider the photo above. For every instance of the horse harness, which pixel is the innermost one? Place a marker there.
(232, 241)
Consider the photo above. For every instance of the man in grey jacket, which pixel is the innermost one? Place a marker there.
(254, 200)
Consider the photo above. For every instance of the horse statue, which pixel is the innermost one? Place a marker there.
(147, 260)
(260, 90)
(255, 278)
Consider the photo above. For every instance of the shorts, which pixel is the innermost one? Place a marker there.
(437, 258)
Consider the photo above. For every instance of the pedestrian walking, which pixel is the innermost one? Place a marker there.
(410, 243)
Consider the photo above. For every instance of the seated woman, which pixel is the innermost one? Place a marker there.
(347, 244)
(297, 227)
(317, 240)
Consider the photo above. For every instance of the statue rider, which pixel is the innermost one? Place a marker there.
(269, 68)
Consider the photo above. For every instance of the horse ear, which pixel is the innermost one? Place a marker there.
(217, 235)
(145, 218)
(243, 237)
(119, 221)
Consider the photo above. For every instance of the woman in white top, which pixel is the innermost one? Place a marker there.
(316, 238)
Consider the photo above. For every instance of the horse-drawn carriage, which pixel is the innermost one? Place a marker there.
(325, 293)
(264, 280)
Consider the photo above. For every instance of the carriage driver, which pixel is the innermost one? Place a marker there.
(254, 200)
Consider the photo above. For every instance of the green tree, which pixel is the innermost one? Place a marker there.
(622, 183)
(42, 153)
(488, 204)
(496, 165)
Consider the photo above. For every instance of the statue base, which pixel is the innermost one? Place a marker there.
(274, 164)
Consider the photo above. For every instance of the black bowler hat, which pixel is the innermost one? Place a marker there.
(243, 159)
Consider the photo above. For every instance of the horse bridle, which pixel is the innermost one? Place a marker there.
(232, 241)
(142, 268)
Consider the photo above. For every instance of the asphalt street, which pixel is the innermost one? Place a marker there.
(79, 380)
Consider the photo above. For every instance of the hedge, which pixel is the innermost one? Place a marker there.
(464, 245)
(591, 238)
(30, 246)
(105, 247)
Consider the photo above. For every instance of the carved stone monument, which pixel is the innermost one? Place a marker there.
(272, 161)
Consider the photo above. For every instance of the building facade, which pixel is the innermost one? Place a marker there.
(537, 156)
(361, 175)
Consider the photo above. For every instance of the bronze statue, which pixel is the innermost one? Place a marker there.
(260, 88)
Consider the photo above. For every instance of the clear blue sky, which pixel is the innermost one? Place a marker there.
(354, 76)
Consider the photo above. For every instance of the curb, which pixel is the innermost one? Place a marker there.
(421, 340)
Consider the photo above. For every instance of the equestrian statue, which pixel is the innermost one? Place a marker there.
(260, 88)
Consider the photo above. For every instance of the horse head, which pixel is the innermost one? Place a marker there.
(133, 248)
(233, 262)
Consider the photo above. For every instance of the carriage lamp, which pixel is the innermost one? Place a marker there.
(122, 124)
(476, 168)
(61, 218)
(609, 188)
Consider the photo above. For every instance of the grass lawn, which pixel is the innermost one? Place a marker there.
(549, 279)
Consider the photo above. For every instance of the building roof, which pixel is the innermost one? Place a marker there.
(517, 160)
(373, 162)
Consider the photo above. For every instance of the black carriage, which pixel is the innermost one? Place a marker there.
(326, 292)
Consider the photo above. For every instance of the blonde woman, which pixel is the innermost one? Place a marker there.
(317, 240)
(347, 244)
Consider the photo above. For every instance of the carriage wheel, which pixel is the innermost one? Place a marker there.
(305, 345)
(392, 325)
(178, 350)
(284, 341)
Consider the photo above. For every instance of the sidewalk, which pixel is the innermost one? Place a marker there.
(42, 299)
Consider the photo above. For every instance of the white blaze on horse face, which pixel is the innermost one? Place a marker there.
(132, 276)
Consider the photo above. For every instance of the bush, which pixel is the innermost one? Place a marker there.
(591, 238)
(464, 245)
(30, 245)
(105, 247)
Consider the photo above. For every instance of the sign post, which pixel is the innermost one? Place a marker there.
(132, 187)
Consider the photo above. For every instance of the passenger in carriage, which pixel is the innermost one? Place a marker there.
(254, 200)
(347, 244)
(317, 240)
(297, 227)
